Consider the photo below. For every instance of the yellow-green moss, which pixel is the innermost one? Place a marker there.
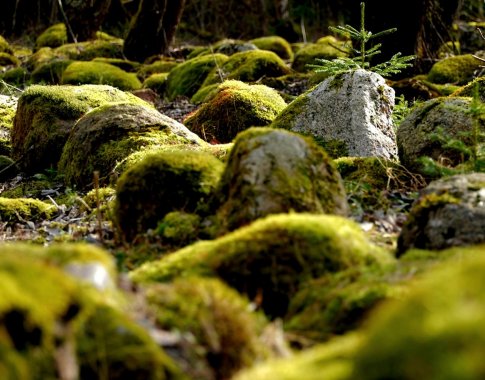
(7, 114)
(458, 70)
(123, 64)
(17, 76)
(434, 332)
(99, 73)
(235, 107)
(157, 67)
(88, 50)
(275, 44)
(54, 36)
(143, 196)
(5, 46)
(7, 59)
(330, 361)
(50, 72)
(21, 209)
(474, 88)
(187, 77)
(45, 116)
(156, 82)
(271, 258)
(29, 188)
(309, 52)
(248, 66)
(226, 46)
(179, 228)
(216, 315)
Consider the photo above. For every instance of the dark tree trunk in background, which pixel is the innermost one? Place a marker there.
(153, 28)
(85, 17)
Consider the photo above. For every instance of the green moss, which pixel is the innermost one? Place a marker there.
(235, 107)
(187, 77)
(99, 73)
(275, 44)
(54, 36)
(458, 70)
(42, 56)
(217, 316)
(157, 67)
(30, 188)
(309, 52)
(179, 228)
(271, 258)
(45, 116)
(295, 108)
(88, 50)
(435, 331)
(109, 344)
(7, 59)
(474, 88)
(143, 197)
(20, 209)
(123, 64)
(8, 108)
(50, 72)
(156, 82)
(5, 46)
(248, 66)
(17, 76)
(226, 46)
(330, 361)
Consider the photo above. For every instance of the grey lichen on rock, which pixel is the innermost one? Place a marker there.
(351, 110)
(273, 171)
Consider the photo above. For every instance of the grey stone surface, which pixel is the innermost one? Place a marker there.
(351, 110)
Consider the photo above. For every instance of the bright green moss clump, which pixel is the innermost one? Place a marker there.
(248, 66)
(187, 77)
(157, 67)
(474, 88)
(20, 209)
(235, 107)
(88, 50)
(458, 69)
(7, 59)
(54, 36)
(217, 316)
(99, 73)
(271, 258)
(156, 82)
(5, 46)
(275, 44)
(45, 116)
(164, 182)
(324, 49)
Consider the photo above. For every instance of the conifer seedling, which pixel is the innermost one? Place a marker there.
(361, 60)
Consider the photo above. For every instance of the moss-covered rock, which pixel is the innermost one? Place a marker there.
(45, 116)
(21, 209)
(99, 73)
(8, 108)
(329, 48)
(157, 67)
(50, 72)
(248, 66)
(164, 182)
(235, 107)
(271, 258)
(474, 88)
(427, 129)
(458, 69)
(41, 57)
(220, 320)
(157, 83)
(187, 77)
(435, 331)
(275, 44)
(5, 46)
(16, 76)
(330, 361)
(54, 36)
(88, 50)
(274, 171)
(179, 228)
(123, 64)
(419, 87)
(108, 134)
(226, 46)
(7, 59)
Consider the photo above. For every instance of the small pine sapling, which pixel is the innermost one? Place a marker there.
(361, 60)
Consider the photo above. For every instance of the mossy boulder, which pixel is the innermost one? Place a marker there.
(5, 46)
(419, 87)
(45, 116)
(187, 77)
(99, 73)
(270, 259)
(235, 106)
(274, 171)
(157, 67)
(179, 228)
(7, 59)
(435, 331)
(16, 76)
(449, 212)
(329, 361)
(8, 108)
(54, 36)
(161, 183)
(108, 134)
(123, 64)
(50, 72)
(157, 83)
(226, 46)
(275, 44)
(22, 209)
(41, 57)
(88, 50)
(427, 129)
(458, 69)
(329, 48)
(248, 66)
(225, 330)
(474, 88)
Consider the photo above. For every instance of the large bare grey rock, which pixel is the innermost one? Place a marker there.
(449, 212)
(273, 171)
(350, 114)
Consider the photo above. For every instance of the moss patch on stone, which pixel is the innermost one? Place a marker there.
(50, 72)
(474, 88)
(157, 67)
(7, 59)
(275, 44)
(88, 50)
(156, 82)
(21, 209)
(235, 107)
(324, 50)
(457, 69)
(54, 36)
(271, 258)
(17, 76)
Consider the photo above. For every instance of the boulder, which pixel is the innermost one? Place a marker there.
(427, 129)
(108, 134)
(45, 116)
(234, 107)
(349, 114)
(274, 171)
(275, 44)
(449, 212)
(457, 69)
(326, 48)
(54, 36)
